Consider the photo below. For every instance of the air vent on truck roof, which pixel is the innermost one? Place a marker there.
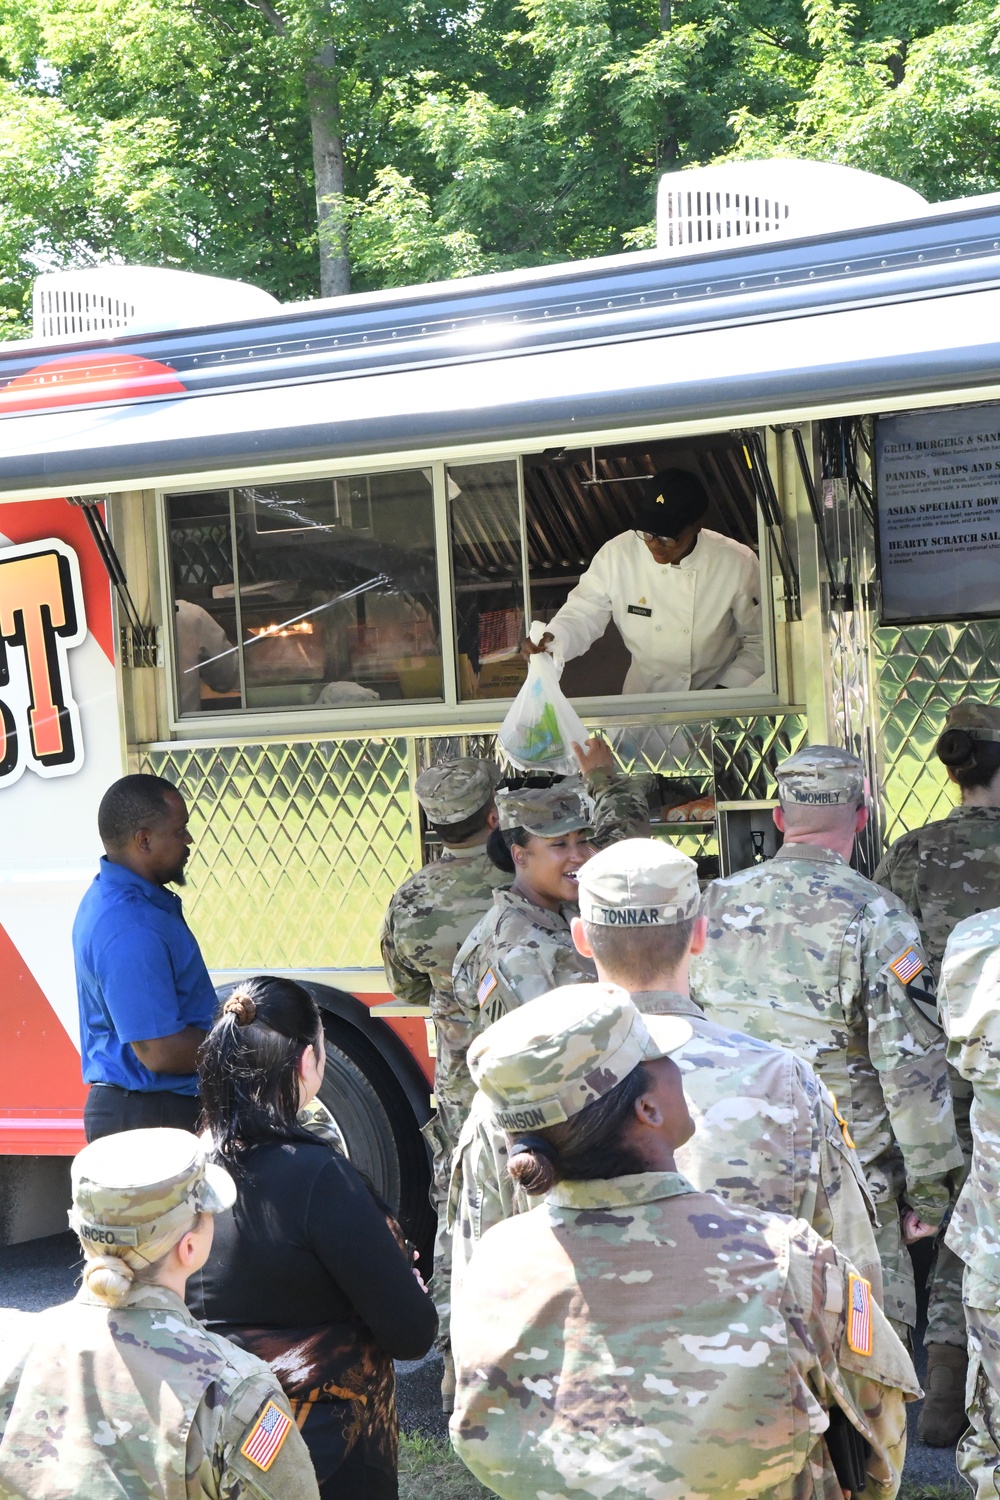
(744, 202)
(105, 300)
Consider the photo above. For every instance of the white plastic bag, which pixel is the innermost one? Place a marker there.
(542, 726)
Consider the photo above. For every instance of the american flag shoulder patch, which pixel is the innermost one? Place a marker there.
(907, 966)
(263, 1442)
(486, 988)
(859, 1314)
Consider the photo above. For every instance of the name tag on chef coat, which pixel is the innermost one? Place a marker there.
(640, 609)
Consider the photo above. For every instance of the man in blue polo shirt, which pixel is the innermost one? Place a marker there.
(146, 1001)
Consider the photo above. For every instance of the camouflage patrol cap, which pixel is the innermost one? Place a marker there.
(144, 1186)
(547, 811)
(638, 883)
(454, 790)
(821, 775)
(546, 1061)
(980, 721)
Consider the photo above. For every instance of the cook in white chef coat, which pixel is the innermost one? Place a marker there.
(204, 653)
(686, 600)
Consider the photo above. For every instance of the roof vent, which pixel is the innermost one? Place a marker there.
(104, 300)
(744, 202)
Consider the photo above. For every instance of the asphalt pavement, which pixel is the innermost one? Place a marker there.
(42, 1273)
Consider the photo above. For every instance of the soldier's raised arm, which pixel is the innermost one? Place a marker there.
(621, 805)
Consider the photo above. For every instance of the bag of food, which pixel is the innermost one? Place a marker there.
(542, 726)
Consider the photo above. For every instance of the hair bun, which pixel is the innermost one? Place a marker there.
(108, 1278)
(242, 1005)
(957, 750)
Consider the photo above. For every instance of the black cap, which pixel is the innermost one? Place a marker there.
(675, 500)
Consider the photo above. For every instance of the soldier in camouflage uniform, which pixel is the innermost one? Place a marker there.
(427, 920)
(807, 952)
(523, 946)
(632, 1336)
(120, 1394)
(969, 1003)
(945, 872)
(767, 1133)
(950, 870)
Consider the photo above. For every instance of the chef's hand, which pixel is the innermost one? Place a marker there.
(914, 1227)
(528, 647)
(595, 755)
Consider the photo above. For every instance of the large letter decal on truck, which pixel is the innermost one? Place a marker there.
(41, 616)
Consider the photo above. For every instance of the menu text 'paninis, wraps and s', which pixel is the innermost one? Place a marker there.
(938, 486)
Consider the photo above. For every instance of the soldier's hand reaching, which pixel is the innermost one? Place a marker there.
(594, 756)
(914, 1227)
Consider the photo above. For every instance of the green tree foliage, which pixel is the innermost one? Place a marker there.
(172, 132)
(439, 138)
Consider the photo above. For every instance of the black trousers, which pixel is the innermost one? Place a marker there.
(109, 1109)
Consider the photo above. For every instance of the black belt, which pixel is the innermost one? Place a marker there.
(142, 1093)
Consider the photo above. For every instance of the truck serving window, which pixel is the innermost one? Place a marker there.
(577, 500)
(321, 592)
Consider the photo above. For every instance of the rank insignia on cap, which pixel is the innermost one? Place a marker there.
(486, 988)
(266, 1436)
(907, 966)
(859, 1314)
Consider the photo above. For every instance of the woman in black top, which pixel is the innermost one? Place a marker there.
(309, 1271)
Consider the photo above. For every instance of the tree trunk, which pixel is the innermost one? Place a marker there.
(328, 167)
(669, 147)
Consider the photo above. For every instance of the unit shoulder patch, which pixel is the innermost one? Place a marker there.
(263, 1442)
(859, 1315)
(907, 965)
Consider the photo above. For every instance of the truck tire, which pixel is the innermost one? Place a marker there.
(383, 1139)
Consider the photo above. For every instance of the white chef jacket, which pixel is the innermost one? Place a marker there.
(199, 637)
(689, 625)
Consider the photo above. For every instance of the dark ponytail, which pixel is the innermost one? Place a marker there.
(498, 847)
(591, 1145)
(249, 1064)
(971, 762)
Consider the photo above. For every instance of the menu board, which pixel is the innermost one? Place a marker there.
(938, 487)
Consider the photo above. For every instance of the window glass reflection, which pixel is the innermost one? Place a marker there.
(331, 595)
(338, 591)
(205, 632)
(484, 517)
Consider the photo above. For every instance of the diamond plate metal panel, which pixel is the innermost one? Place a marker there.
(746, 751)
(298, 848)
(922, 670)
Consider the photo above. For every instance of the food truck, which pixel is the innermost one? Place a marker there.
(285, 556)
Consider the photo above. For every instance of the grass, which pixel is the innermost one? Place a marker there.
(913, 1491)
(430, 1470)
